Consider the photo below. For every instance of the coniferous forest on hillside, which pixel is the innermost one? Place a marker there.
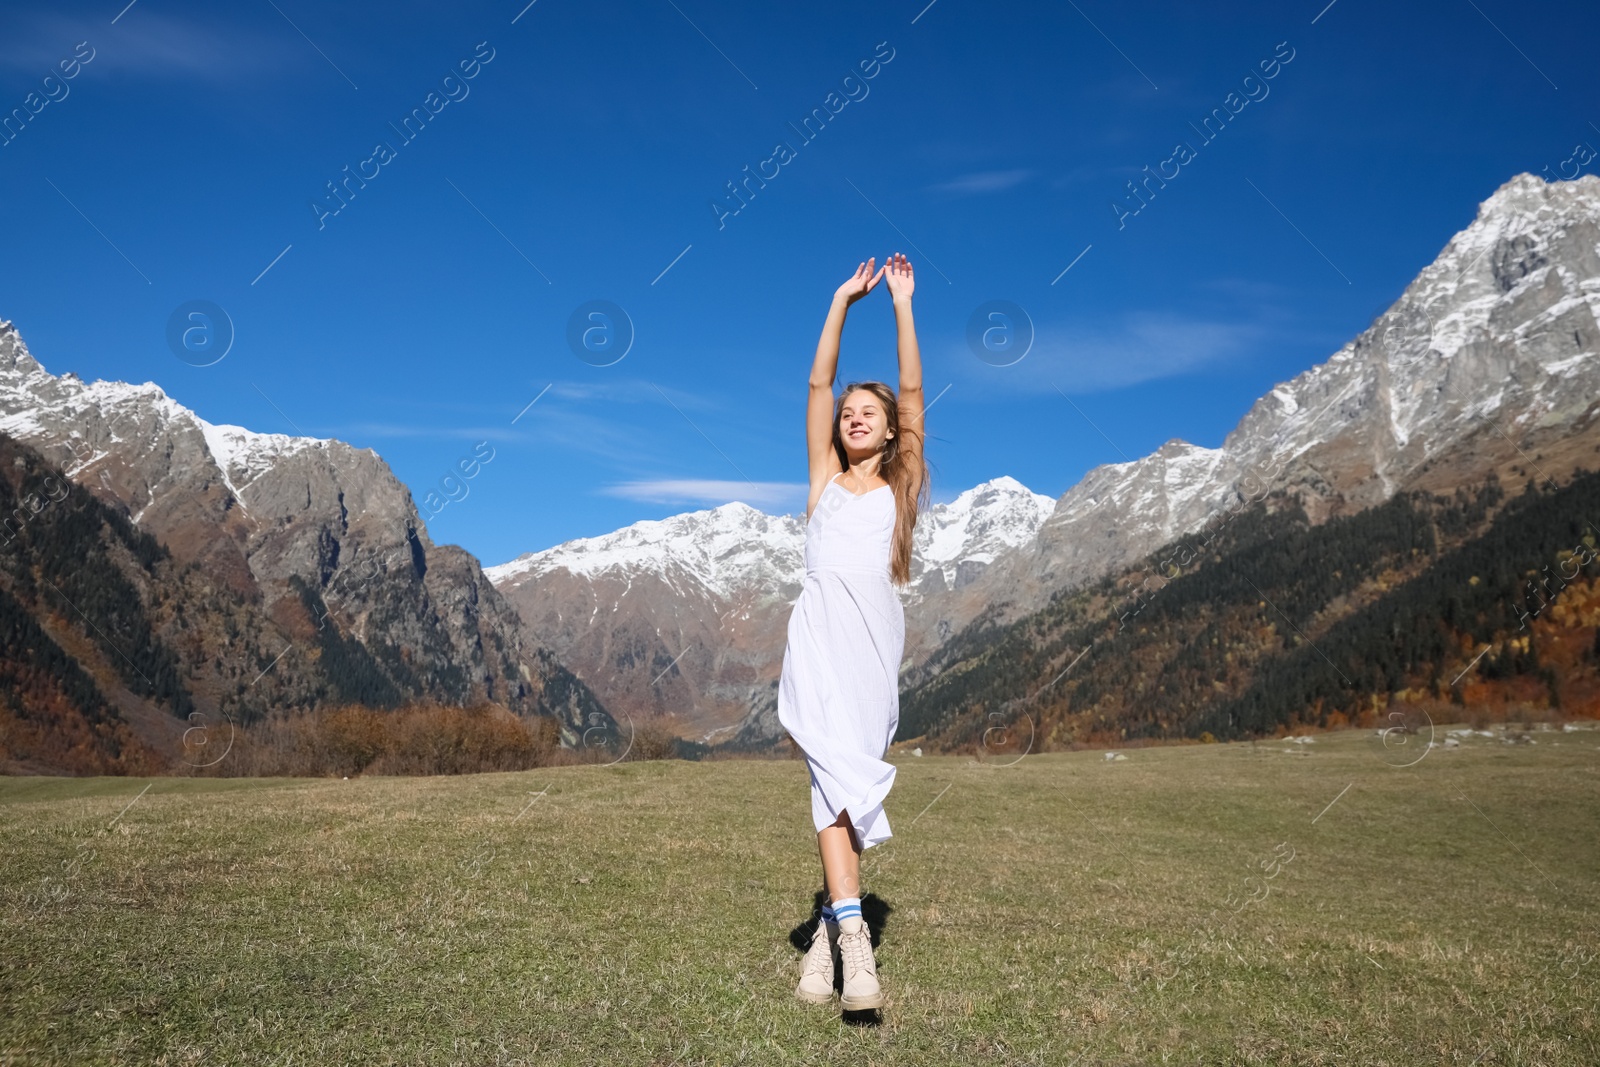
(1264, 623)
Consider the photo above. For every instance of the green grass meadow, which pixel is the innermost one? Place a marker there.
(1269, 903)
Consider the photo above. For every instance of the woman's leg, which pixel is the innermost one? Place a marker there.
(841, 859)
(841, 866)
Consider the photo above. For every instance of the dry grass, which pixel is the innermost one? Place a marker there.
(1200, 904)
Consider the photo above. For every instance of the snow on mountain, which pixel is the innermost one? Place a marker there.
(1502, 321)
(247, 455)
(956, 541)
(34, 404)
(722, 549)
(729, 548)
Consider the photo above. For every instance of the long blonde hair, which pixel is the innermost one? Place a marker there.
(906, 473)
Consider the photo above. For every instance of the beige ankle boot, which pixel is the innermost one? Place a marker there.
(861, 989)
(816, 972)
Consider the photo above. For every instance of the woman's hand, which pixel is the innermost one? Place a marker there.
(860, 284)
(901, 283)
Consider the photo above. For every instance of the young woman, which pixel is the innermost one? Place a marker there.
(839, 695)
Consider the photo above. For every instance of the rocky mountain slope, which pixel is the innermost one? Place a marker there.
(318, 540)
(1496, 337)
(686, 615)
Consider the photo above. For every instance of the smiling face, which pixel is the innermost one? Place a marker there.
(863, 423)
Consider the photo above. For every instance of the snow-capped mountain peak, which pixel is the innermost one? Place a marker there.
(112, 417)
(957, 540)
(728, 548)
(1496, 338)
(721, 548)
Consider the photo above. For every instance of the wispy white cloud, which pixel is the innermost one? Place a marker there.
(147, 43)
(1084, 175)
(631, 391)
(623, 422)
(986, 181)
(1142, 347)
(762, 496)
(581, 422)
(567, 414)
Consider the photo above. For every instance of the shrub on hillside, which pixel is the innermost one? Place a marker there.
(420, 739)
(450, 740)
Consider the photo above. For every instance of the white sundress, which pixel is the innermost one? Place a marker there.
(839, 693)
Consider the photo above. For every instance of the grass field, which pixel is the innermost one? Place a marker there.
(1270, 903)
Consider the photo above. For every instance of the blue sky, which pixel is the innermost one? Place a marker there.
(581, 161)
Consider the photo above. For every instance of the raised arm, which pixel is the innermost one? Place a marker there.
(901, 284)
(823, 461)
